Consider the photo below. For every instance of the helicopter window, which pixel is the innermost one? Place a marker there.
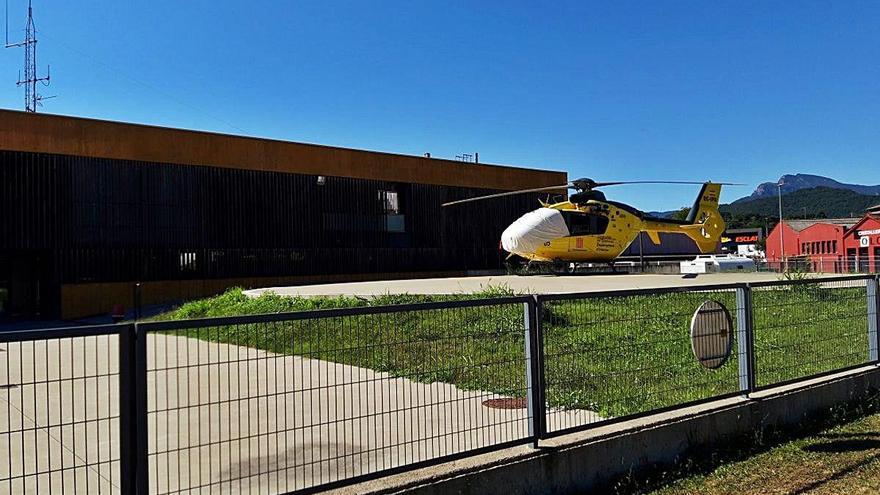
(584, 223)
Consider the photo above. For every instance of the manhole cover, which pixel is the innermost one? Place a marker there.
(513, 403)
(711, 334)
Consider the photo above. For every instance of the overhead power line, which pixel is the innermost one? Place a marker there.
(169, 96)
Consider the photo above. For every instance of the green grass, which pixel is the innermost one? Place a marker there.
(616, 356)
(627, 355)
(234, 302)
(840, 455)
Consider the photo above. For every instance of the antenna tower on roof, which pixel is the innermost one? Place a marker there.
(32, 99)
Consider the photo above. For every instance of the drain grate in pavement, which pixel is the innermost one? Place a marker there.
(511, 403)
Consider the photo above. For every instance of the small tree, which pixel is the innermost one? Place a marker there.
(681, 213)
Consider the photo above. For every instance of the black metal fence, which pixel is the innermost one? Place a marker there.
(302, 402)
(279, 403)
(59, 410)
(609, 355)
(852, 264)
(812, 327)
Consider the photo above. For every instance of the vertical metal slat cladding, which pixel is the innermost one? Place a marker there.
(125, 220)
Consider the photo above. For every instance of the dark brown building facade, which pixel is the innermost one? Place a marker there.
(91, 207)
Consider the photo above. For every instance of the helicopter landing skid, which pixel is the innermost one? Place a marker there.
(545, 268)
(559, 268)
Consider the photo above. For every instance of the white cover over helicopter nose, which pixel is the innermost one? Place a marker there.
(530, 231)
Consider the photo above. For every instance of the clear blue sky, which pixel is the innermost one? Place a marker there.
(738, 90)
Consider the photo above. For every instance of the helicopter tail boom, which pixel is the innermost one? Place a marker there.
(706, 202)
(704, 224)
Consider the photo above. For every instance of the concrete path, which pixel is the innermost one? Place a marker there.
(226, 418)
(533, 284)
(59, 408)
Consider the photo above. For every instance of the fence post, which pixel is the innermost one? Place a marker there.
(140, 405)
(127, 411)
(745, 339)
(132, 410)
(137, 301)
(873, 319)
(534, 369)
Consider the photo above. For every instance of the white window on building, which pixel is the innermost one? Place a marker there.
(188, 262)
(390, 202)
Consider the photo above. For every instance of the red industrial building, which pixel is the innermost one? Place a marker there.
(829, 244)
(862, 243)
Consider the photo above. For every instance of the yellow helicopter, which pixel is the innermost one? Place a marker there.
(589, 228)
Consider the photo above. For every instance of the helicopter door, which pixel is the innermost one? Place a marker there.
(583, 224)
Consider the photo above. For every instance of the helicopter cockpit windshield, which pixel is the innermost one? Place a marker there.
(580, 223)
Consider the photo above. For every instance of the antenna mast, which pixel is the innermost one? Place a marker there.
(31, 98)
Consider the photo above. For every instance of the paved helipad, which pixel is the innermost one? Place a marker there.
(534, 284)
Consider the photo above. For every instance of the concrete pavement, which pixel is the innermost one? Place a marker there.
(532, 284)
(59, 408)
(227, 418)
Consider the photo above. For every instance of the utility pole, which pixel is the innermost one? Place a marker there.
(32, 99)
(781, 228)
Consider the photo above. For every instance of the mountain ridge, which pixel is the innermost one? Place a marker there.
(850, 197)
(813, 203)
(796, 182)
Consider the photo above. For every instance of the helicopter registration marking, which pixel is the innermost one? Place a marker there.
(605, 243)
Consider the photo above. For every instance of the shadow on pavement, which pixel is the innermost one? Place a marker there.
(13, 325)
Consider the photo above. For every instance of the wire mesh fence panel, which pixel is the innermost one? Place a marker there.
(276, 406)
(819, 264)
(808, 328)
(612, 356)
(59, 412)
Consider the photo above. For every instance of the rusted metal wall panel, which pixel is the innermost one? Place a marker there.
(55, 134)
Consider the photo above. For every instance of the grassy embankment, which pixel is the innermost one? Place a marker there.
(615, 356)
(840, 455)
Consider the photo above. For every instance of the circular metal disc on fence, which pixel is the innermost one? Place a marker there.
(712, 334)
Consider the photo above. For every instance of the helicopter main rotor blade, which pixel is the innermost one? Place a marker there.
(602, 184)
(508, 193)
(583, 185)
